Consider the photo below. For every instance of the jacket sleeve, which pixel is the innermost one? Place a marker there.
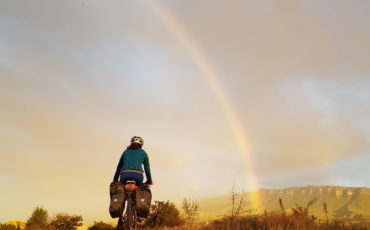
(147, 170)
(116, 174)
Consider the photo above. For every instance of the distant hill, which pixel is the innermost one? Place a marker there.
(342, 202)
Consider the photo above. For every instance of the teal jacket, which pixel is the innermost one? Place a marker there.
(134, 159)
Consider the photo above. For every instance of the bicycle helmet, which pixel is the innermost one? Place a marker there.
(136, 139)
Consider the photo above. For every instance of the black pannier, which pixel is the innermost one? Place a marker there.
(117, 199)
(143, 201)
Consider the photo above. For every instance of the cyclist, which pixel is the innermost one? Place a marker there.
(130, 165)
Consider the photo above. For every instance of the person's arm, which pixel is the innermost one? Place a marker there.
(147, 170)
(116, 174)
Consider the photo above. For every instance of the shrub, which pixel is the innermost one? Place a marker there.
(190, 209)
(64, 221)
(163, 214)
(7, 227)
(38, 219)
(101, 226)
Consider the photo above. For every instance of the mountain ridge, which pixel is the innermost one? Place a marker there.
(342, 202)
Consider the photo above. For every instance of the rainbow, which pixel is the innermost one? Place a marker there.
(212, 79)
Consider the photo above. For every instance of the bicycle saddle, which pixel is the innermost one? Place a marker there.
(130, 182)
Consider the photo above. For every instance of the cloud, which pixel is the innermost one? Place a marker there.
(296, 73)
(78, 79)
(338, 173)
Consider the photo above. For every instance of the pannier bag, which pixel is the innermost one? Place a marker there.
(143, 201)
(117, 199)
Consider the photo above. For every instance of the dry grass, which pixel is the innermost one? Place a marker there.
(272, 222)
(298, 219)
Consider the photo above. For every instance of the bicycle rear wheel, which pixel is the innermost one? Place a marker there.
(128, 223)
(120, 224)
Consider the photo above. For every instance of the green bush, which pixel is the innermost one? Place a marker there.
(101, 226)
(163, 214)
(38, 219)
(64, 221)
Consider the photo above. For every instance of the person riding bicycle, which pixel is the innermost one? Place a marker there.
(130, 164)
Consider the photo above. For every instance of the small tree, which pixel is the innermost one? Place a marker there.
(38, 219)
(64, 221)
(190, 209)
(101, 226)
(237, 201)
(163, 214)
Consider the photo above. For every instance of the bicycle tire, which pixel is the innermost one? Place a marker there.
(128, 213)
(120, 224)
(134, 215)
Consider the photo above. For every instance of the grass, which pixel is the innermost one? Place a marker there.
(299, 218)
(272, 222)
(295, 221)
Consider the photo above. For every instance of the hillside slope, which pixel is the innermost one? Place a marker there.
(342, 202)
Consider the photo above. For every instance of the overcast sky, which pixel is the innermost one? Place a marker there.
(79, 78)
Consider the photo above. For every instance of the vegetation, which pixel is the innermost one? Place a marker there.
(163, 214)
(64, 221)
(101, 226)
(342, 202)
(7, 227)
(296, 221)
(298, 217)
(238, 202)
(321, 208)
(38, 219)
(190, 210)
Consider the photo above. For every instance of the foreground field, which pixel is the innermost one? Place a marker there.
(272, 222)
(301, 208)
(298, 218)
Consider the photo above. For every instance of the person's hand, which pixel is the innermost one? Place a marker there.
(148, 185)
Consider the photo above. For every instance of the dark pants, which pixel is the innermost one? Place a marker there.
(137, 177)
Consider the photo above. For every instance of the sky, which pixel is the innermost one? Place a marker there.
(78, 79)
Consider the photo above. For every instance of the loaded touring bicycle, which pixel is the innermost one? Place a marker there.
(129, 203)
